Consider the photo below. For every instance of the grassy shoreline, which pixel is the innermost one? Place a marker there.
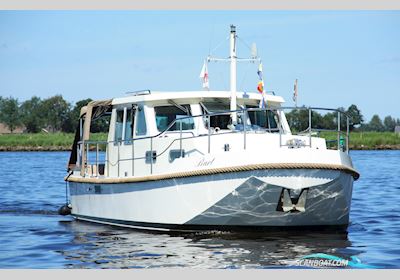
(41, 141)
(63, 141)
(369, 140)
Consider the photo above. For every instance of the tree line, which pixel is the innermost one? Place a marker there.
(56, 114)
(53, 114)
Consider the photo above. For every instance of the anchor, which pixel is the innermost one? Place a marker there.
(288, 203)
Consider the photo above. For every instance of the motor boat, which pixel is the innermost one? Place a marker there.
(205, 160)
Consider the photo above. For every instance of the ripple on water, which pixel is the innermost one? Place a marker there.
(34, 236)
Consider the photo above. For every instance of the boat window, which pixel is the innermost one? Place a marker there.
(165, 115)
(265, 119)
(216, 107)
(128, 124)
(221, 121)
(119, 125)
(124, 124)
(141, 128)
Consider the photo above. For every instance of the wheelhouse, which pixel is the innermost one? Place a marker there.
(151, 114)
(148, 131)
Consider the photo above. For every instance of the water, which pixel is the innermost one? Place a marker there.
(32, 235)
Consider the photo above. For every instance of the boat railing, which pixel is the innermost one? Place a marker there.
(99, 162)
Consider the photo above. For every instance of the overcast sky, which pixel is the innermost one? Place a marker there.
(339, 58)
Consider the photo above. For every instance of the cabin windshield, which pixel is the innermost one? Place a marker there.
(264, 119)
(165, 115)
(220, 121)
(258, 119)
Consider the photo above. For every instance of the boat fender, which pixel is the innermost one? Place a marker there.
(65, 210)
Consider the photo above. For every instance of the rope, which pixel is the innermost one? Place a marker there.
(244, 42)
(66, 192)
(66, 187)
(210, 52)
(211, 171)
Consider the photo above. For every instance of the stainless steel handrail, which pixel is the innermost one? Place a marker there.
(208, 116)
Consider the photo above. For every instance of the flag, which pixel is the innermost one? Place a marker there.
(259, 71)
(204, 76)
(260, 86)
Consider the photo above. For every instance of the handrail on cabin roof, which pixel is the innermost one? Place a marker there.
(228, 112)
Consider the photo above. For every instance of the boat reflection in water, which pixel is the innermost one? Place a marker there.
(105, 246)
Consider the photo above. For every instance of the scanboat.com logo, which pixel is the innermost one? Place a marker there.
(325, 260)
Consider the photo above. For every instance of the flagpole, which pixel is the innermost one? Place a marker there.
(295, 92)
(233, 58)
(233, 70)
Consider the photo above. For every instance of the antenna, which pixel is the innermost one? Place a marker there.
(295, 92)
(139, 92)
(253, 50)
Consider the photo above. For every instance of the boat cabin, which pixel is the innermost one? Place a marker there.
(163, 117)
(148, 114)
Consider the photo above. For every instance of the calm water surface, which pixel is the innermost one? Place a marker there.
(32, 235)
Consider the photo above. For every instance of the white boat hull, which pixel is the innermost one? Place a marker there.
(225, 200)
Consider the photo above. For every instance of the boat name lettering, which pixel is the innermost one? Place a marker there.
(204, 162)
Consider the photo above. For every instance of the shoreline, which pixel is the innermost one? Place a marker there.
(68, 148)
(35, 149)
(377, 147)
(56, 142)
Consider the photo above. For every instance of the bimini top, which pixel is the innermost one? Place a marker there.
(147, 96)
(104, 104)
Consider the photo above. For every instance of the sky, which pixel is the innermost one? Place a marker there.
(339, 57)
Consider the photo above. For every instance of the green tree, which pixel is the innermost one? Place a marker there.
(298, 120)
(77, 109)
(356, 118)
(9, 113)
(71, 122)
(329, 121)
(317, 120)
(343, 119)
(56, 112)
(32, 114)
(376, 124)
(389, 123)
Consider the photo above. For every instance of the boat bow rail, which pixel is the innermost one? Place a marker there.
(94, 159)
